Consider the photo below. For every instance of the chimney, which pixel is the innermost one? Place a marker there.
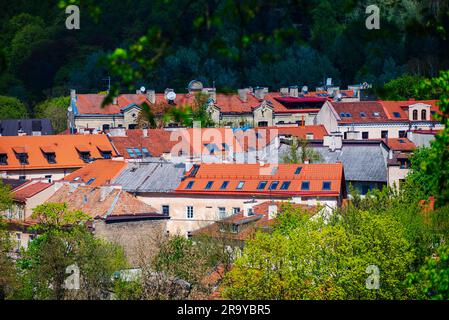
(334, 142)
(243, 94)
(284, 92)
(294, 92)
(72, 94)
(151, 96)
(145, 133)
(272, 211)
(259, 93)
(353, 135)
(390, 154)
(114, 100)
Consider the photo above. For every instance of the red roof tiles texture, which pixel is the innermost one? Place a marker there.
(103, 171)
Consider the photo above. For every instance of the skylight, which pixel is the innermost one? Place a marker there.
(90, 181)
(305, 185)
(224, 185)
(285, 185)
(262, 185)
(190, 185)
(130, 152)
(298, 170)
(342, 115)
(274, 185)
(348, 115)
(209, 185)
(376, 114)
(326, 185)
(363, 114)
(240, 185)
(138, 152)
(146, 152)
(396, 114)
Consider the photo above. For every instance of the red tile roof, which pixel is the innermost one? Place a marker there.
(401, 107)
(400, 144)
(103, 171)
(28, 190)
(64, 147)
(252, 174)
(359, 112)
(102, 202)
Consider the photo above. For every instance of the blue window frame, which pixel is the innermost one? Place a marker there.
(224, 185)
(285, 185)
(298, 170)
(326, 185)
(209, 185)
(190, 185)
(261, 185)
(274, 185)
(305, 185)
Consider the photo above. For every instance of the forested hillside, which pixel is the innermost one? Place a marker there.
(226, 43)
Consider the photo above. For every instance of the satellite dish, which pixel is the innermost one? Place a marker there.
(171, 95)
(69, 109)
(305, 89)
(195, 85)
(142, 89)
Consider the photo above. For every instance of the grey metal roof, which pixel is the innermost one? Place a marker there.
(151, 176)
(11, 127)
(361, 162)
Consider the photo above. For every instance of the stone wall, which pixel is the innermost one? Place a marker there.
(139, 239)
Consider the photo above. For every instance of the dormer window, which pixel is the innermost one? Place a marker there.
(49, 154)
(3, 159)
(105, 151)
(84, 153)
(21, 155)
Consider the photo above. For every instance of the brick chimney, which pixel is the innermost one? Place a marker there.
(151, 96)
(259, 93)
(294, 92)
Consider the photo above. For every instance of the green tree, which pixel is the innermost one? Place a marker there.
(54, 109)
(300, 152)
(12, 108)
(402, 88)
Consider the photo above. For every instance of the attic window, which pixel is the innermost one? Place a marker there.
(342, 115)
(298, 170)
(190, 185)
(273, 185)
(130, 152)
(224, 185)
(23, 158)
(138, 152)
(146, 153)
(90, 181)
(326, 185)
(285, 185)
(209, 185)
(396, 114)
(240, 185)
(348, 115)
(106, 154)
(262, 185)
(51, 157)
(305, 185)
(376, 114)
(363, 114)
(3, 159)
(85, 156)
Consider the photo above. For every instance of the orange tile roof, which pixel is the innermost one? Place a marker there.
(64, 147)
(103, 171)
(102, 202)
(400, 144)
(28, 190)
(252, 174)
(401, 107)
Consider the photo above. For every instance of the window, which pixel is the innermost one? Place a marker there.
(22, 177)
(90, 181)
(362, 114)
(224, 185)
(396, 114)
(221, 213)
(234, 228)
(138, 152)
(309, 136)
(85, 156)
(342, 115)
(190, 185)
(106, 127)
(285, 185)
(51, 157)
(404, 164)
(48, 177)
(165, 210)
(365, 189)
(235, 210)
(384, 134)
(305, 185)
(401, 141)
(189, 234)
(3, 159)
(130, 152)
(298, 170)
(365, 135)
(415, 114)
(146, 153)
(250, 211)
(326, 185)
(23, 158)
(273, 185)
(376, 114)
(263, 124)
(348, 115)
(189, 212)
(402, 134)
(423, 114)
(262, 185)
(240, 185)
(106, 154)
(209, 185)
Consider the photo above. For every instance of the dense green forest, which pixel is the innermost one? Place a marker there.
(223, 43)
